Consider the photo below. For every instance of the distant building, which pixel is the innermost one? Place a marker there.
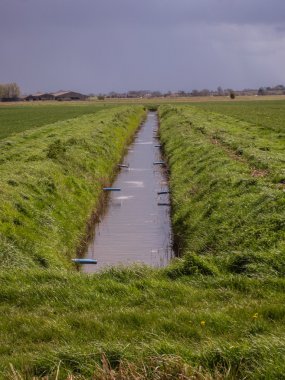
(12, 99)
(60, 95)
(69, 95)
(40, 96)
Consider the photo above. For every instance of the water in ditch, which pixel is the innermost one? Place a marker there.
(135, 227)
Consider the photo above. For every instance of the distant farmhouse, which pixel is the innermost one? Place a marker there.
(40, 96)
(69, 95)
(60, 95)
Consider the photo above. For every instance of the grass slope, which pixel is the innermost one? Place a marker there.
(225, 208)
(18, 118)
(51, 181)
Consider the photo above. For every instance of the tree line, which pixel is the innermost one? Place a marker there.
(9, 91)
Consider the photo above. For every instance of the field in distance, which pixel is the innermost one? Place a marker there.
(18, 117)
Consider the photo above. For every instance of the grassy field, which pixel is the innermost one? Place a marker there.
(193, 100)
(215, 313)
(267, 115)
(142, 322)
(19, 117)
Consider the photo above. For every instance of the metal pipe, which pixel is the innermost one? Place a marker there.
(84, 261)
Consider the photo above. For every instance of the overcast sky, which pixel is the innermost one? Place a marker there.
(103, 45)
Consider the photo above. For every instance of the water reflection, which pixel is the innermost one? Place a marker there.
(135, 228)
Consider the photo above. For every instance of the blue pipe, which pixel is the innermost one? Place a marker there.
(159, 163)
(163, 192)
(84, 261)
(111, 189)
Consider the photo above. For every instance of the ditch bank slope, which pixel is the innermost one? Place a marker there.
(51, 183)
(227, 211)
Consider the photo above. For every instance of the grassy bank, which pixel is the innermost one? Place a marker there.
(227, 191)
(51, 181)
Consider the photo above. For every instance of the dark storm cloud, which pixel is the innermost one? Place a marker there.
(147, 12)
(100, 45)
(154, 13)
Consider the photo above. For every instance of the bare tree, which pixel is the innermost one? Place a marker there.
(9, 91)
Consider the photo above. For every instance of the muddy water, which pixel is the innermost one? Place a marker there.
(135, 228)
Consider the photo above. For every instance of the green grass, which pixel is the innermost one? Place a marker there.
(138, 315)
(267, 115)
(253, 130)
(222, 209)
(19, 118)
(51, 181)
(217, 312)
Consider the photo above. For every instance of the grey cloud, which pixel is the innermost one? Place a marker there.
(157, 13)
(93, 45)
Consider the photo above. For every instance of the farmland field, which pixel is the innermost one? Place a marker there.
(215, 312)
(20, 117)
(267, 114)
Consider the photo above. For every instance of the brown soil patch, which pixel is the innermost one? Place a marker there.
(259, 173)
